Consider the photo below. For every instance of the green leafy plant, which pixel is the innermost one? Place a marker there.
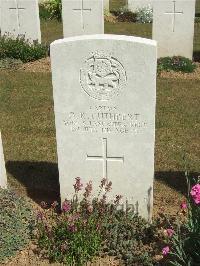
(176, 63)
(51, 9)
(15, 224)
(125, 15)
(90, 225)
(183, 242)
(144, 14)
(21, 49)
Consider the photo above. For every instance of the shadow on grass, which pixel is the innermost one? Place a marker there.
(39, 178)
(175, 180)
(196, 56)
(42, 182)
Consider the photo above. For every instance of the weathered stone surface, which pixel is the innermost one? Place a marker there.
(21, 18)
(82, 17)
(104, 99)
(173, 27)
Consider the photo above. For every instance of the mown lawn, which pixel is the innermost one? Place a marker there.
(27, 124)
(52, 30)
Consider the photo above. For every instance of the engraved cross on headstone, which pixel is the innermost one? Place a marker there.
(82, 9)
(105, 158)
(174, 13)
(17, 8)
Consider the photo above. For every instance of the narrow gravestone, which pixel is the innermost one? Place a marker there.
(0, 17)
(3, 178)
(134, 5)
(21, 18)
(104, 98)
(82, 17)
(173, 27)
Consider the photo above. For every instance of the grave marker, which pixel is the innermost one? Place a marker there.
(104, 90)
(3, 178)
(21, 18)
(173, 27)
(81, 17)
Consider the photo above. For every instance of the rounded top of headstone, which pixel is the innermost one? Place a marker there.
(106, 37)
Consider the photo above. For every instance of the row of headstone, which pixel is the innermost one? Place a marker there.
(82, 17)
(21, 18)
(3, 177)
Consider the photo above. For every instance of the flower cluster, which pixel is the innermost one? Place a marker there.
(195, 193)
(144, 14)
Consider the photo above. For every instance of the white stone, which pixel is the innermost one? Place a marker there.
(104, 90)
(173, 27)
(3, 177)
(134, 5)
(0, 16)
(106, 5)
(21, 18)
(81, 17)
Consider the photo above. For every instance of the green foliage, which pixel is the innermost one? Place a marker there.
(88, 226)
(130, 238)
(184, 243)
(44, 13)
(125, 15)
(52, 9)
(176, 63)
(15, 224)
(21, 49)
(144, 14)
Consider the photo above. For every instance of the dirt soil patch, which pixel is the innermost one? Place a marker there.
(44, 65)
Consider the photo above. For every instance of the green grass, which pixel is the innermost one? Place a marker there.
(27, 123)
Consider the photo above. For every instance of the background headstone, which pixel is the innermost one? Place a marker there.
(21, 18)
(134, 5)
(173, 27)
(82, 17)
(3, 177)
(104, 99)
(0, 17)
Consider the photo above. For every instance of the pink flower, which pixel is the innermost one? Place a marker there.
(165, 251)
(66, 206)
(88, 189)
(103, 182)
(170, 232)
(78, 185)
(108, 186)
(183, 205)
(195, 193)
(72, 228)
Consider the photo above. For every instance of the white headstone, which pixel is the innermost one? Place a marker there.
(21, 18)
(104, 99)
(106, 5)
(81, 17)
(173, 27)
(3, 177)
(134, 5)
(0, 17)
